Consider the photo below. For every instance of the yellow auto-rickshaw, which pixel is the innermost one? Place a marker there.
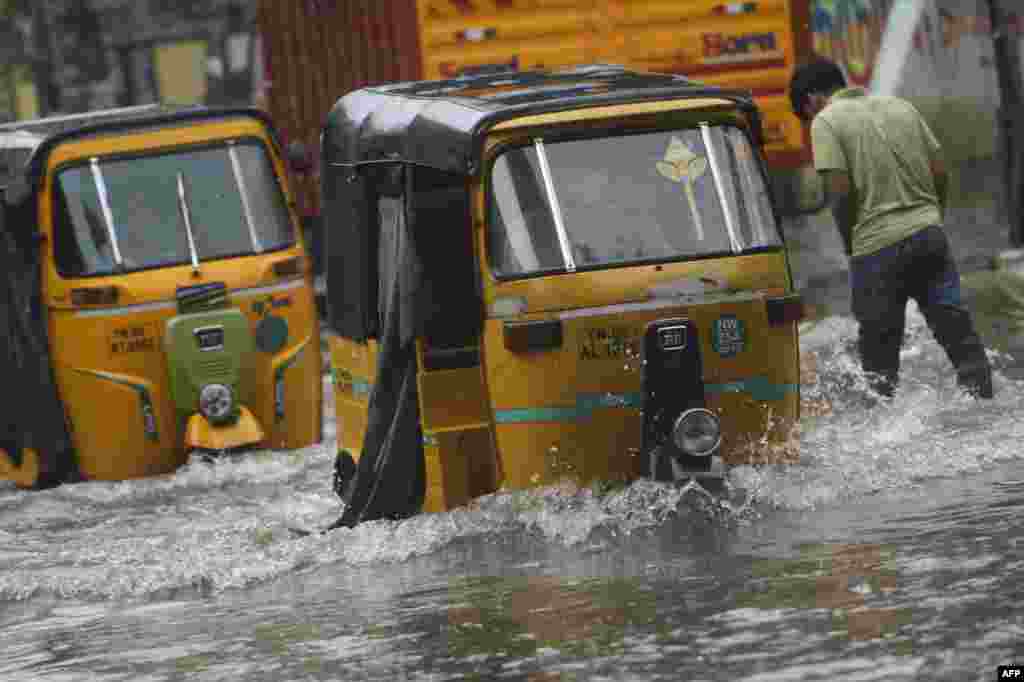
(156, 294)
(546, 274)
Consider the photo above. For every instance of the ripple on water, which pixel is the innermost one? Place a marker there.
(206, 540)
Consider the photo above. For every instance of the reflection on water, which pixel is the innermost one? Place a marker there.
(886, 552)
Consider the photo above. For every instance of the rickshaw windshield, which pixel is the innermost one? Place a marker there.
(124, 214)
(561, 205)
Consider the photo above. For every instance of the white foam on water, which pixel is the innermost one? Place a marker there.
(226, 524)
(930, 429)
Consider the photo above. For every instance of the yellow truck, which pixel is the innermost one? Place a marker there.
(316, 51)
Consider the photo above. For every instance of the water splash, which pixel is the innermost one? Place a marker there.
(227, 524)
(854, 444)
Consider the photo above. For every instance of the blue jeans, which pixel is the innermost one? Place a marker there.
(922, 268)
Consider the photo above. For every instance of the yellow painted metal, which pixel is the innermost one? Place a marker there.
(106, 412)
(455, 414)
(100, 380)
(354, 369)
(24, 476)
(754, 46)
(460, 466)
(303, 394)
(601, 442)
(201, 434)
(453, 399)
(612, 112)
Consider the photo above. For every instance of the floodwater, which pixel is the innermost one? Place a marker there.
(894, 550)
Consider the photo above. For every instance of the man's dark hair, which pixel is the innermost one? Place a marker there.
(820, 76)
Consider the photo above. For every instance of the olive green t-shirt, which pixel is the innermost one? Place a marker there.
(886, 147)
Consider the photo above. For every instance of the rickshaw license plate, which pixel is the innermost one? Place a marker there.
(672, 338)
(209, 338)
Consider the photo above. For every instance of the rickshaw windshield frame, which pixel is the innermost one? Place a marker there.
(230, 182)
(711, 168)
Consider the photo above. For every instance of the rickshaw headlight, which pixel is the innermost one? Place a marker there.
(697, 432)
(216, 402)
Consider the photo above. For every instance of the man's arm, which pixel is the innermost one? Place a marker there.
(941, 177)
(840, 196)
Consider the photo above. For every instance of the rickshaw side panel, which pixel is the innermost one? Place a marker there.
(460, 466)
(458, 443)
(353, 369)
(297, 421)
(452, 399)
(107, 376)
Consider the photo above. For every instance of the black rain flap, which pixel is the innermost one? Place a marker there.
(350, 244)
(450, 305)
(390, 476)
(35, 419)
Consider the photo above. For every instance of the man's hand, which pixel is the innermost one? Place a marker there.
(839, 195)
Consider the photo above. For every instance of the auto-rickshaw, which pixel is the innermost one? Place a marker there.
(156, 294)
(550, 274)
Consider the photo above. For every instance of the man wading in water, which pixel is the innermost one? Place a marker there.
(886, 181)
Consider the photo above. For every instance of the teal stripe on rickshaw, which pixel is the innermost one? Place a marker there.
(359, 387)
(586, 405)
(759, 388)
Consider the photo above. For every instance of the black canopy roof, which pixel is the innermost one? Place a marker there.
(441, 123)
(58, 129)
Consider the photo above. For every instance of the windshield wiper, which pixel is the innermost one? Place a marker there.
(716, 174)
(556, 208)
(236, 169)
(186, 216)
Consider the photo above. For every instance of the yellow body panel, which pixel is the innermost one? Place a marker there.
(566, 389)
(25, 475)
(109, 360)
(199, 433)
(610, 112)
(460, 466)
(752, 46)
(354, 368)
(106, 415)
